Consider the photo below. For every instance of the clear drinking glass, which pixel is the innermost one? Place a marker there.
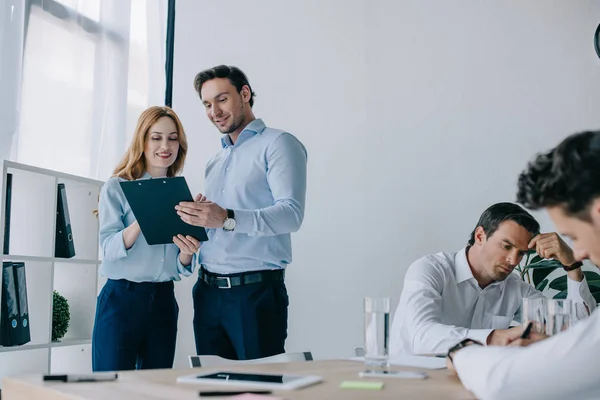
(534, 310)
(559, 315)
(377, 328)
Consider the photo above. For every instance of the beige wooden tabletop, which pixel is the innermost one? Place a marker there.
(161, 384)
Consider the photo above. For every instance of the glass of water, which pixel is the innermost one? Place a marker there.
(377, 328)
(559, 315)
(534, 310)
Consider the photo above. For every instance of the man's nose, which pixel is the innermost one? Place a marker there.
(216, 111)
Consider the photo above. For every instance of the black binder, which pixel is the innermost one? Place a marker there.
(63, 246)
(21, 283)
(10, 328)
(14, 321)
(7, 213)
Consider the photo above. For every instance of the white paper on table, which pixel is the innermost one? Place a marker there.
(405, 360)
(427, 362)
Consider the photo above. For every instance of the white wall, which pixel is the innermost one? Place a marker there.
(416, 114)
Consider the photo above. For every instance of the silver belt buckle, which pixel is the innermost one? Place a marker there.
(228, 282)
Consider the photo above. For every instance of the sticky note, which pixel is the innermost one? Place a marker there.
(368, 385)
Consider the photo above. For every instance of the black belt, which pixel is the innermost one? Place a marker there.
(244, 278)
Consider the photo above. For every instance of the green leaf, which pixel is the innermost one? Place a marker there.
(560, 283)
(545, 264)
(543, 268)
(561, 295)
(542, 285)
(534, 260)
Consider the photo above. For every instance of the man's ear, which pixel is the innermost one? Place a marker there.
(480, 236)
(245, 93)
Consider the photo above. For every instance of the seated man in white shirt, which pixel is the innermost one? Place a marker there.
(473, 293)
(566, 181)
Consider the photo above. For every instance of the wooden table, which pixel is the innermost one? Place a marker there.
(161, 384)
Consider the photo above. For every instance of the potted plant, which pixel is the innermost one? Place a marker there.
(60, 316)
(536, 271)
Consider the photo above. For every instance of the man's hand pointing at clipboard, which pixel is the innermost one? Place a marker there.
(202, 213)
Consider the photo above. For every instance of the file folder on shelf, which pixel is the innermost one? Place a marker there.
(64, 246)
(21, 282)
(7, 213)
(14, 321)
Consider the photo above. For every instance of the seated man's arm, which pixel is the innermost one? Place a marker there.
(550, 245)
(563, 366)
(417, 326)
(578, 291)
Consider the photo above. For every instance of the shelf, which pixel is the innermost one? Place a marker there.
(42, 171)
(49, 259)
(34, 346)
(70, 342)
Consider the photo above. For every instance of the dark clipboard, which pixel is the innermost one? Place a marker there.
(153, 203)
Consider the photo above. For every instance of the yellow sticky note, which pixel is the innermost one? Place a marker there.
(368, 385)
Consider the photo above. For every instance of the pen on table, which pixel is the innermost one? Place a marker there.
(525, 334)
(216, 394)
(81, 378)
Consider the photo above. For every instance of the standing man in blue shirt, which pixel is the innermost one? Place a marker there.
(256, 188)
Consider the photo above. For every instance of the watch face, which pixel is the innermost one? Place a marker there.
(229, 224)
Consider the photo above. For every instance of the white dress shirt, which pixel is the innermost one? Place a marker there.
(565, 366)
(442, 303)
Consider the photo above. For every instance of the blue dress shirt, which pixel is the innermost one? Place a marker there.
(141, 262)
(262, 178)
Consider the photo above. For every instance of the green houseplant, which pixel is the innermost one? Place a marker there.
(536, 271)
(60, 316)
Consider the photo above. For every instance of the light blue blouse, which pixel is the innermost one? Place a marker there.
(141, 262)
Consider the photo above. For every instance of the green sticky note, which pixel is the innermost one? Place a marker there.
(369, 385)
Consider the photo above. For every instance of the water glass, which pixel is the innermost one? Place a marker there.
(377, 328)
(559, 315)
(534, 310)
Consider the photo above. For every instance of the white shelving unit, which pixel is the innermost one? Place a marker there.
(32, 237)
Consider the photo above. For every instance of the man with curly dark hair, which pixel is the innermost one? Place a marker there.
(566, 182)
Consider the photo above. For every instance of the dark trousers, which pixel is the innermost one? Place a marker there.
(240, 323)
(135, 326)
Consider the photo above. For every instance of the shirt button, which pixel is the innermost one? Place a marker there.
(216, 238)
(223, 191)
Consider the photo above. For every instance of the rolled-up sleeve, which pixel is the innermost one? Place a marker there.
(580, 294)
(189, 270)
(110, 214)
(286, 175)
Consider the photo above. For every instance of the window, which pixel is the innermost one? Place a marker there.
(89, 68)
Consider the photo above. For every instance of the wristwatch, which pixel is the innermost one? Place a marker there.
(462, 344)
(578, 264)
(229, 223)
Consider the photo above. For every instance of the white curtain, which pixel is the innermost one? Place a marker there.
(89, 68)
(12, 17)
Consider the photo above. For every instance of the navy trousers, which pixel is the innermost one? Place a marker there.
(135, 326)
(240, 323)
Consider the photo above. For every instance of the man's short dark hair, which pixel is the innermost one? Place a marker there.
(234, 74)
(567, 176)
(491, 219)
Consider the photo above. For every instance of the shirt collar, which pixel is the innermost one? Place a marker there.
(148, 176)
(255, 127)
(461, 266)
(463, 269)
